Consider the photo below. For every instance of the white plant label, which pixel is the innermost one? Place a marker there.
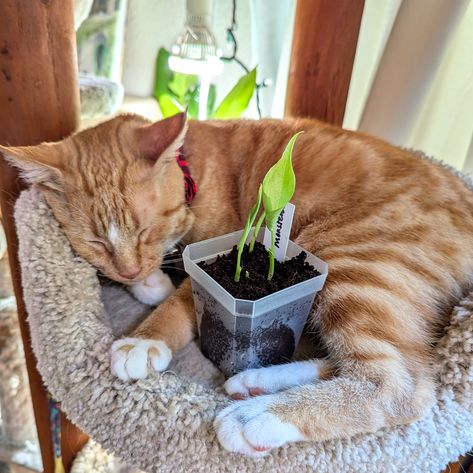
(282, 232)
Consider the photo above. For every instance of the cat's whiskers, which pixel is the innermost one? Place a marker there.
(173, 268)
(172, 260)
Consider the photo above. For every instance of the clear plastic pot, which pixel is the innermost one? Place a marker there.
(238, 334)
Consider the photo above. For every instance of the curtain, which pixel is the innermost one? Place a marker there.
(412, 81)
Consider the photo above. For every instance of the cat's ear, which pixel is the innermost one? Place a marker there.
(37, 164)
(160, 141)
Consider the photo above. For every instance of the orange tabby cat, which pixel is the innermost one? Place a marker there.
(396, 231)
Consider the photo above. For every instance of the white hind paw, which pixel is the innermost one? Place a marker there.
(135, 358)
(249, 427)
(154, 289)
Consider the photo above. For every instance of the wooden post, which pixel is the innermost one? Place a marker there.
(39, 101)
(323, 51)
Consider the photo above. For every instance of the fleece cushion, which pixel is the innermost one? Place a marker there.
(164, 423)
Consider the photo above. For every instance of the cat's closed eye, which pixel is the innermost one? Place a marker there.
(143, 233)
(99, 244)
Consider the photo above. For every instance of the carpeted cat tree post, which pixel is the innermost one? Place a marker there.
(39, 101)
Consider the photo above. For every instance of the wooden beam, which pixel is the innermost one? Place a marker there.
(323, 50)
(39, 101)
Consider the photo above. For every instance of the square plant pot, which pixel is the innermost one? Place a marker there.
(238, 334)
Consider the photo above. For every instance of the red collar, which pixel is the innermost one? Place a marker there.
(190, 184)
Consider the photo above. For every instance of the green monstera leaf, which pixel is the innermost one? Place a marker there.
(275, 192)
(279, 185)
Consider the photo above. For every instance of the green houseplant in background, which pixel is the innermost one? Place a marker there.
(176, 92)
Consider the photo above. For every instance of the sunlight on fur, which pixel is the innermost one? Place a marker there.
(395, 230)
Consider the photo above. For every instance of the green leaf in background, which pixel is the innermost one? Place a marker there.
(192, 101)
(181, 84)
(174, 92)
(279, 185)
(169, 105)
(211, 99)
(163, 75)
(237, 100)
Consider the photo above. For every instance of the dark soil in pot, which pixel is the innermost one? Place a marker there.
(253, 282)
(263, 346)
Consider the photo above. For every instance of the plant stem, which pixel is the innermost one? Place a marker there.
(255, 234)
(241, 246)
(238, 266)
(246, 231)
(271, 256)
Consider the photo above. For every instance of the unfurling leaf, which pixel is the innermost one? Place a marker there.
(276, 191)
(279, 185)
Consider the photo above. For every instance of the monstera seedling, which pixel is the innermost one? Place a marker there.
(275, 192)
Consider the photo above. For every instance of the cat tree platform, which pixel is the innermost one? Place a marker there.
(164, 423)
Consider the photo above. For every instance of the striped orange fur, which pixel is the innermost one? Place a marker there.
(396, 231)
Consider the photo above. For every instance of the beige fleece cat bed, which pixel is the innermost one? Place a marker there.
(164, 424)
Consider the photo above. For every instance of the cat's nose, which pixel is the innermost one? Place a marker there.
(130, 273)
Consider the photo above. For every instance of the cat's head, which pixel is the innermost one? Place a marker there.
(116, 190)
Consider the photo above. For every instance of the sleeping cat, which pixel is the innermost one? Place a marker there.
(396, 231)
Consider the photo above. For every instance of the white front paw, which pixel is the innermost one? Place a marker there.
(134, 358)
(271, 379)
(249, 427)
(154, 289)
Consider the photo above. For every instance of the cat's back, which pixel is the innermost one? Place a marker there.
(335, 168)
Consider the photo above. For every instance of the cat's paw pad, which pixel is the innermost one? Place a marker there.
(250, 428)
(154, 289)
(135, 358)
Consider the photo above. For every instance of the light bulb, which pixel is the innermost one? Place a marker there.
(195, 51)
